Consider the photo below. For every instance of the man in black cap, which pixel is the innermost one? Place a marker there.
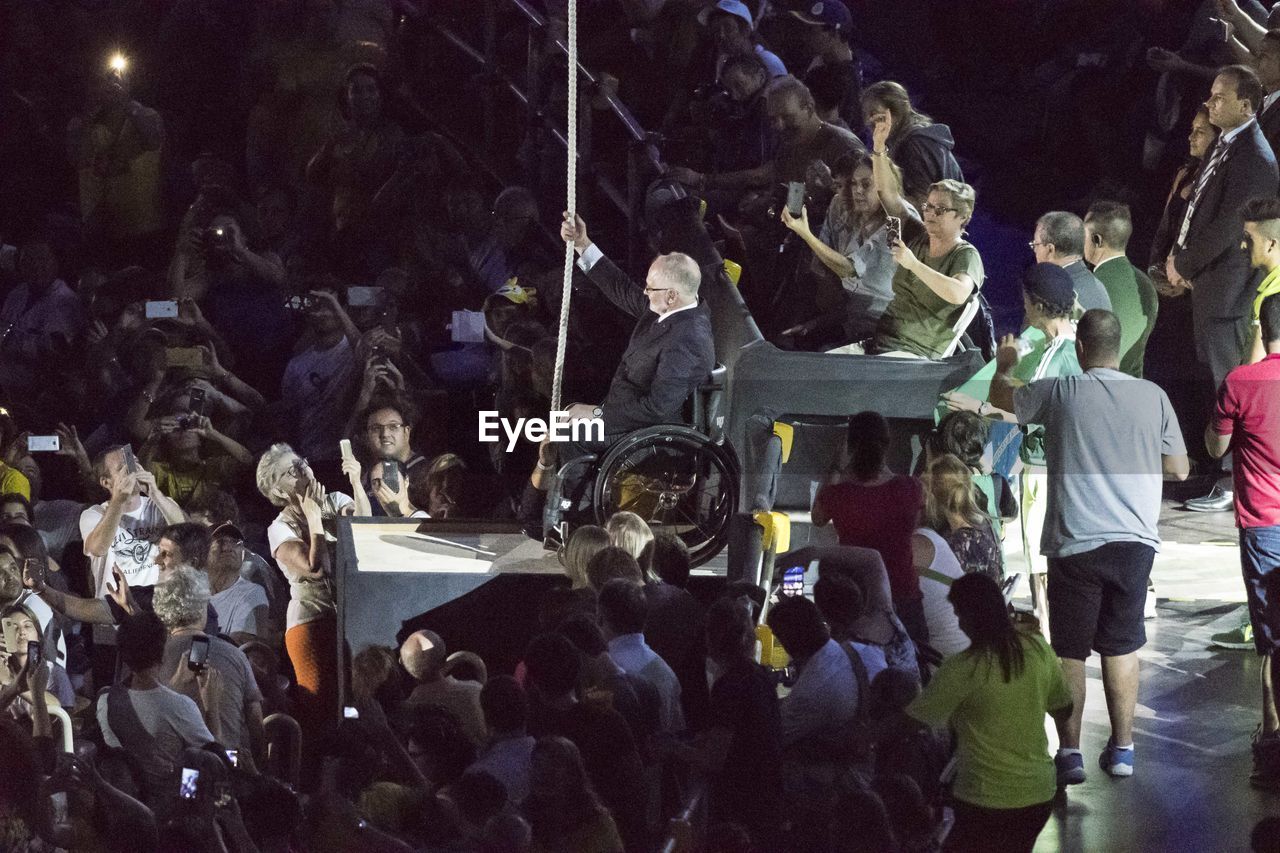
(242, 606)
(1046, 349)
(832, 75)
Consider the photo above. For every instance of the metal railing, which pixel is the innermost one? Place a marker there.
(623, 194)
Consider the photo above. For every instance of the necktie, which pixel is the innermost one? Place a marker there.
(1219, 151)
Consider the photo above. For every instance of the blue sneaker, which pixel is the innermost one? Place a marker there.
(1116, 761)
(1070, 768)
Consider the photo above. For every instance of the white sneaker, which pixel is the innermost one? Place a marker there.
(1149, 610)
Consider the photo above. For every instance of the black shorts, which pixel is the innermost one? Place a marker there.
(1260, 560)
(1096, 600)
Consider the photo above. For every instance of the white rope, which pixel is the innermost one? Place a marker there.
(571, 138)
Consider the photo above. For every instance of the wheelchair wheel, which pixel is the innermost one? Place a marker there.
(677, 480)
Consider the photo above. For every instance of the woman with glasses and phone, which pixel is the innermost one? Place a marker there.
(938, 270)
(299, 543)
(24, 564)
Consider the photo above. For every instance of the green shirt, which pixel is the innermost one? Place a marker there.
(1134, 301)
(1269, 285)
(918, 320)
(1001, 746)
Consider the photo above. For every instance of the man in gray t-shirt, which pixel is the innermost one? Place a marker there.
(1110, 440)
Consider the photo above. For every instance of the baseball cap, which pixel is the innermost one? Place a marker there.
(1049, 283)
(826, 13)
(228, 530)
(731, 7)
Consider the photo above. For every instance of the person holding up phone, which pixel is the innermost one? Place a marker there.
(854, 244)
(22, 628)
(121, 531)
(38, 320)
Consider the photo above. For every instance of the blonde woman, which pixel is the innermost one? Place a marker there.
(631, 533)
(951, 511)
(299, 543)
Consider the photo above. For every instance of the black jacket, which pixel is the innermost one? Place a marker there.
(1269, 119)
(924, 154)
(1212, 259)
(664, 362)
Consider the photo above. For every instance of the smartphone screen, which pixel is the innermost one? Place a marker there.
(350, 713)
(795, 197)
(34, 652)
(130, 461)
(196, 400)
(233, 755)
(364, 297)
(793, 581)
(391, 476)
(187, 786)
(43, 443)
(895, 229)
(199, 655)
(159, 309)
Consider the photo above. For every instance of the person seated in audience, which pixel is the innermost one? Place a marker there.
(233, 710)
(179, 456)
(562, 807)
(938, 270)
(733, 31)
(743, 737)
(825, 697)
(922, 149)
(964, 435)
(852, 245)
(118, 533)
(217, 509)
(244, 613)
(506, 753)
(425, 658)
(510, 250)
(147, 719)
(742, 137)
(843, 605)
(1059, 240)
(23, 559)
(386, 425)
(833, 74)
(950, 510)
(872, 507)
(623, 609)
(994, 696)
(602, 680)
(601, 734)
(23, 625)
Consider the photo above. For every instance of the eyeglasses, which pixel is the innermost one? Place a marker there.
(657, 289)
(1032, 245)
(379, 429)
(937, 209)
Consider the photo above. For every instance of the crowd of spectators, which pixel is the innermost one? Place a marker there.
(247, 288)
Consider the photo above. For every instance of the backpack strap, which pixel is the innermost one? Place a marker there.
(935, 575)
(863, 713)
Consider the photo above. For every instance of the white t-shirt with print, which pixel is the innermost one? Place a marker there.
(133, 549)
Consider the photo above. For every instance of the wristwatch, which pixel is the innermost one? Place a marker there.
(985, 409)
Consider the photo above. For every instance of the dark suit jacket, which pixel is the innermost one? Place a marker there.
(1269, 119)
(1212, 259)
(664, 362)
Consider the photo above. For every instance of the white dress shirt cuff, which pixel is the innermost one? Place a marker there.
(589, 257)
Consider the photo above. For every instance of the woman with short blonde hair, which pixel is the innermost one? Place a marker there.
(951, 510)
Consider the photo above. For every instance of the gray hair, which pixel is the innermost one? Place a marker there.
(273, 465)
(792, 87)
(680, 271)
(182, 599)
(1064, 230)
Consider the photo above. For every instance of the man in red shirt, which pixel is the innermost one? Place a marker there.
(1246, 421)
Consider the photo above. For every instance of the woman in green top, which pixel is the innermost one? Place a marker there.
(938, 270)
(994, 696)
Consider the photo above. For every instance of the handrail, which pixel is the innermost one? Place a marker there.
(64, 722)
(680, 828)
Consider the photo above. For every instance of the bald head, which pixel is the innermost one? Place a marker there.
(1098, 339)
(423, 655)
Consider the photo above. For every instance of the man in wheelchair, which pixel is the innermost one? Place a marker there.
(671, 355)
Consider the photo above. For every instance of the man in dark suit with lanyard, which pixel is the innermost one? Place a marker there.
(671, 351)
(1269, 73)
(1207, 256)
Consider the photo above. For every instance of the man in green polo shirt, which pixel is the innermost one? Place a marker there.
(1107, 227)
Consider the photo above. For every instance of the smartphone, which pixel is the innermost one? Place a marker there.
(793, 581)
(795, 197)
(364, 297)
(199, 656)
(197, 401)
(894, 225)
(188, 785)
(233, 755)
(130, 461)
(157, 309)
(190, 357)
(344, 447)
(391, 475)
(34, 652)
(43, 443)
(1224, 29)
(350, 713)
(37, 569)
(389, 320)
(467, 327)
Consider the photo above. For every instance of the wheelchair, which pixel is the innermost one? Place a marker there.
(680, 479)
